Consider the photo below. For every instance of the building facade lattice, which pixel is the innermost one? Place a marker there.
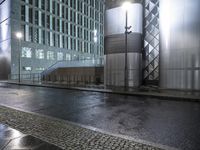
(151, 41)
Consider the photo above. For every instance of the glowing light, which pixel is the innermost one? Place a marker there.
(95, 32)
(95, 36)
(166, 22)
(95, 39)
(19, 35)
(126, 6)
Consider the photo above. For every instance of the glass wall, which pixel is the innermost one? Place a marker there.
(75, 25)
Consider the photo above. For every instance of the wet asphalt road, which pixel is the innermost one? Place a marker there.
(172, 123)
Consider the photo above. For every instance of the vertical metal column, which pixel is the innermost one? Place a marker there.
(126, 51)
(19, 76)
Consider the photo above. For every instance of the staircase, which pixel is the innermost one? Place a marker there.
(73, 64)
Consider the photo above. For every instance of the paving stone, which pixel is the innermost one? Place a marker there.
(64, 135)
(26, 142)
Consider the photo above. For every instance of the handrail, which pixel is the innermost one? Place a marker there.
(71, 61)
(50, 67)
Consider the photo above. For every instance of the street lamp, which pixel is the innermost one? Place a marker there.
(126, 7)
(19, 37)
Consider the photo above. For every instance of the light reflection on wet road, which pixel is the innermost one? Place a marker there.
(171, 123)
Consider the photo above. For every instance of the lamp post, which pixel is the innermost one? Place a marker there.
(19, 37)
(126, 6)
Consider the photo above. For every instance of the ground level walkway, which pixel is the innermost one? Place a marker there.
(11, 139)
(63, 134)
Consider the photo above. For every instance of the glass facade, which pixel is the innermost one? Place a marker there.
(151, 41)
(74, 25)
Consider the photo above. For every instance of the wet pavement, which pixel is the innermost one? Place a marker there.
(11, 139)
(71, 136)
(172, 123)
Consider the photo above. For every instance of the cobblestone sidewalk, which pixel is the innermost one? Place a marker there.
(66, 135)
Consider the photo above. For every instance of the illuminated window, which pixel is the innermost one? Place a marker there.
(39, 53)
(50, 55)
(27, 68)
(26, 52)
(59, 56)
(68, 57)
(39, 69)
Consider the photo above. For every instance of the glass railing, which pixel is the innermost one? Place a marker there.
(76, 63)
(30, 77)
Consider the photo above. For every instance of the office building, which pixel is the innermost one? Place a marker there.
(52, 31)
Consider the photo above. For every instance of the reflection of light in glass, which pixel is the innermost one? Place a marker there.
(166, 22)
(95, 39)
(95, 36)
(95, 32)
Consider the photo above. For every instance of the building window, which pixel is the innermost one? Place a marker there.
(59, 56)
(54, 23)
(27, 68)
(23, 29)
(53, 7)
(36, 35)
(30, 15)
(39, 69)
(43, 37)
(50, 55)
(39, 53)
(37, 3)
(43, 4)
(23, 13)
(30, 2)
(68, 57)
(48, 38)
(48, 5)
(48, 21)
(30, 34)
(36, 17)
(43, 19)
(26, 52)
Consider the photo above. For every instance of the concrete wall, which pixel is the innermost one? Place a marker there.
(180, 44)
(5, 39)
(115, 45)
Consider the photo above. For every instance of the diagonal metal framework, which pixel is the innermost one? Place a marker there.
(151, 40)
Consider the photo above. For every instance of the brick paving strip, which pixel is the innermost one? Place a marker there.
(66, 135)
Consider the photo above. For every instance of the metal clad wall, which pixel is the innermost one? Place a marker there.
(116, 43)
(115, 19)
(115, 46)
(180, 44)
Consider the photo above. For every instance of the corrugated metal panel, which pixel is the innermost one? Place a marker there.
(180, 44)
(116, 43)
(114, 69)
